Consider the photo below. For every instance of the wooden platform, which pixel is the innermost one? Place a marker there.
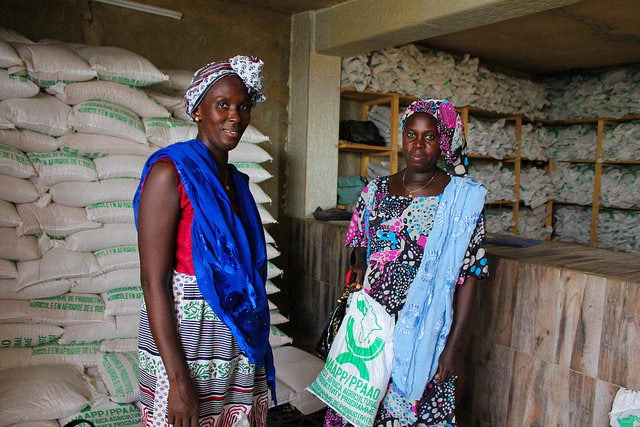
(601, 262)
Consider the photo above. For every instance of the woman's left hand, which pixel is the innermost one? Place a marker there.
(446, 365)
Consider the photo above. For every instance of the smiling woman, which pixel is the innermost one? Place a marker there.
(203, 266)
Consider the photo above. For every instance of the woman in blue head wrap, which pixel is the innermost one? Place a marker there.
(204, 354)
(419, 244)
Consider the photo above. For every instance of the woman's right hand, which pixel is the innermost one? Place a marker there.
(355, 279)
(182, 405)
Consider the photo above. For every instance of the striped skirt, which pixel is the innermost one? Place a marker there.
(231, 390)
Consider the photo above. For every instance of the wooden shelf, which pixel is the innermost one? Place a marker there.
(361, 148)
(591, 120)
(370, 98)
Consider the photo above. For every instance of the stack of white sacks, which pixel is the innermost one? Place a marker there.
(437, 74)
(574, 182)
(615, 93)
(77, 123)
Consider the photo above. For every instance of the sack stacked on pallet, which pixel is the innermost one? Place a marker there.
(71, 161)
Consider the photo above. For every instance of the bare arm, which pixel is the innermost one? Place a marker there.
(463, 304)
(158, 217)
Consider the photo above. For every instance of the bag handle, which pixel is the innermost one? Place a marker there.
(78, 422)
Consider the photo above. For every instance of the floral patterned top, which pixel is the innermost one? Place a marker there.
(395, 234)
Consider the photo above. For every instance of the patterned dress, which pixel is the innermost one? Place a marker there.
(398, 229)
(230, 389)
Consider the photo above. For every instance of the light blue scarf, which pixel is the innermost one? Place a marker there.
(228, 250)
(425, 320)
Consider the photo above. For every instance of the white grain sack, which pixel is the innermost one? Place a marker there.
(163, 131)
(123, 301)
(81, 194)
(118, 258)
(41, 113)
(14, 162)
(89, 332)
(37, 424)
(57, 263)
(17, 248)
(122, 345)
(272, 252)
(27, 334)
(169, 100)
(107, 281)
(5, 124)
(28, 141)
(83, 354)
(17, 190)
(255, 172)
(276, 318)
(95, 146)
(11, 358)
(265, 216)
(68, 309)
(108, 236)
(246, 152)
(120, 373)
(54, 219)
(120, 166)
(277, 337)
(253, 135)
(14, 86)
(273, 271)
(107, 414)
(107, 118)
(8, 56)
(131, 97)
(271, 288)
(267, 237)
(42, 392)
(179, 80)
(48, 64)
(8, 269)
(56, 167)
(52, 288)
(9, 216)
(259, 196)
(111, 212)
(121, 65)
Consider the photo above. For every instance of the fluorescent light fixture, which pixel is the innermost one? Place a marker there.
(141, 7)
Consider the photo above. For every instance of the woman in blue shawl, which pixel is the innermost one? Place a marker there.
(419, 244)
(204, 353)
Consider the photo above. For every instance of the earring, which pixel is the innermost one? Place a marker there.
(197, 119)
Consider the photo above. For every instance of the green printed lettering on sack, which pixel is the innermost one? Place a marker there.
(76, 152)
(21, 79)
(112, 112)
(66, 349)
(11, 153)
(166, 122)
(70, 302)
(115, 205)
(133, 249)
(127, 293)
(60, 159)
(126, 80)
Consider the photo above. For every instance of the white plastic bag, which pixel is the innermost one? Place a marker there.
(358, 368)
(625, 411)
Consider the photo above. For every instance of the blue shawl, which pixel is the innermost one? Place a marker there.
(228, 250)
(425, 320)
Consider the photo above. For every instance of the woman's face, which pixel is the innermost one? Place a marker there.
(225, 111)
(421, 141)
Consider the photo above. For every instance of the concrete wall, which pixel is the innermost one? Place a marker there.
(209, 30)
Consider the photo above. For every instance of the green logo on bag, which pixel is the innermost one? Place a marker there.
(358, 355)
